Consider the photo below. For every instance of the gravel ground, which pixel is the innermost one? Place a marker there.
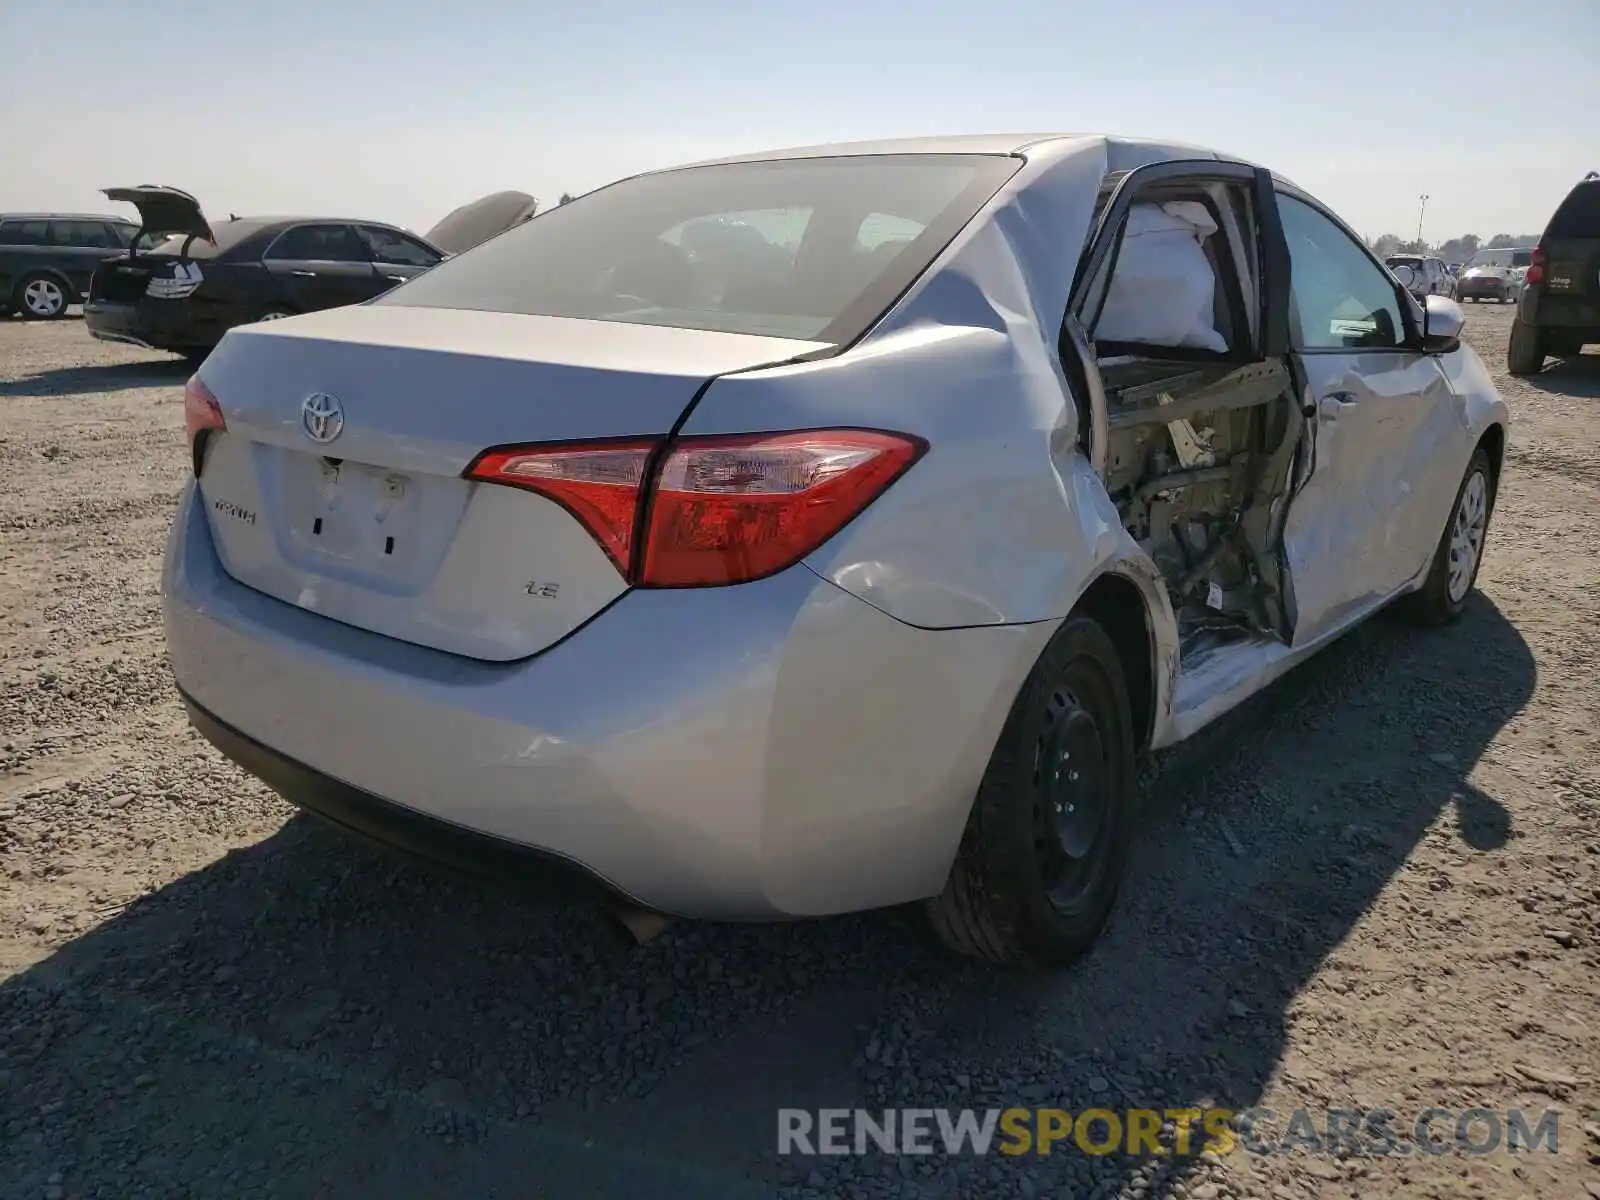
(1376, 887)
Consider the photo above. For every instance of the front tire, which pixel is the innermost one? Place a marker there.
(1525, 351)
(1443, 595)
(41, 297)
(1045, 844)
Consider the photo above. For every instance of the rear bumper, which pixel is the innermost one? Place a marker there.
(392, 826)
(1578, 315)
(1465, 289)
(776, 749)
(156, 324)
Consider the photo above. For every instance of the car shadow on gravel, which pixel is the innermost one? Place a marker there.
(1577, 376)
(109, 377)
(306, 1017)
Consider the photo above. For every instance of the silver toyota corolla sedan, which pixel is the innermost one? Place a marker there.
(824, 529)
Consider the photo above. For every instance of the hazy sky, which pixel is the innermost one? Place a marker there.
(399, 110)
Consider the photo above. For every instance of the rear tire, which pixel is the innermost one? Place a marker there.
(1045, 844)
(1525, 351)
(41, 297)
(1444, 594)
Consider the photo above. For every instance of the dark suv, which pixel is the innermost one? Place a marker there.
(47, 259)
(1560, 307)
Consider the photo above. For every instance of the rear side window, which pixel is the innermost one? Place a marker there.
(1579, 214)
(90, 235)
(25, 233)
(392, 246)
(800, 248)
(318, 243)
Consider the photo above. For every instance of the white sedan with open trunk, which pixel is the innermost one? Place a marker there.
(824, 529)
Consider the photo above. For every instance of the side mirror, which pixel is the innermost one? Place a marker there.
(1442, 322)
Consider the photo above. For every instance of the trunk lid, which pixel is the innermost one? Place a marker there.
(374, 525)
(164, 210)
(467, 226)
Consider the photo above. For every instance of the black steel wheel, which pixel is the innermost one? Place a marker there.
(1042, 856)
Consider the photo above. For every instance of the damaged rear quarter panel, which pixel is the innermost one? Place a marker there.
(1003, 521)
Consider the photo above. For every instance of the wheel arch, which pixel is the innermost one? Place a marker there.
(1493, 442)
(1120, 605)
(21, 278)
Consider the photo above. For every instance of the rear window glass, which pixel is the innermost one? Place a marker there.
(229, 234)
(1579, 214)
(801, 248)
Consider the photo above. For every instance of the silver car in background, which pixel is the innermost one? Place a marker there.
(1495, 275)
(1421, 275)
(821, 530)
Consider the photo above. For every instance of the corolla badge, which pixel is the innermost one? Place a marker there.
(321, 416)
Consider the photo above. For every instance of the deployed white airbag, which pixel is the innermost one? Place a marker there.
(1163, 290)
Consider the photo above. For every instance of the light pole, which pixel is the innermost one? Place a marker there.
(1420, 212)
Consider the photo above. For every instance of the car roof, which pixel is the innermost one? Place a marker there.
(974, 143)
(283, 222)
(235, 230)
(970, 143)
(1118, 152)
(63, 216)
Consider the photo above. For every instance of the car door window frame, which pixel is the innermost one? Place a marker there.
(1230, 277)
(1264, 338)
(1410, 313)
(351, 232)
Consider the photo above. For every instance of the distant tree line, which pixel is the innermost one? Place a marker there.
(1458, 249)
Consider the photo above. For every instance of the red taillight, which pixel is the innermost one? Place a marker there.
(201, 414)
(720, 509)
(727, 510)
(599, 483)
(1536, 270)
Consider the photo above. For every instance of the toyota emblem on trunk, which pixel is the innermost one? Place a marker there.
(321, 416)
